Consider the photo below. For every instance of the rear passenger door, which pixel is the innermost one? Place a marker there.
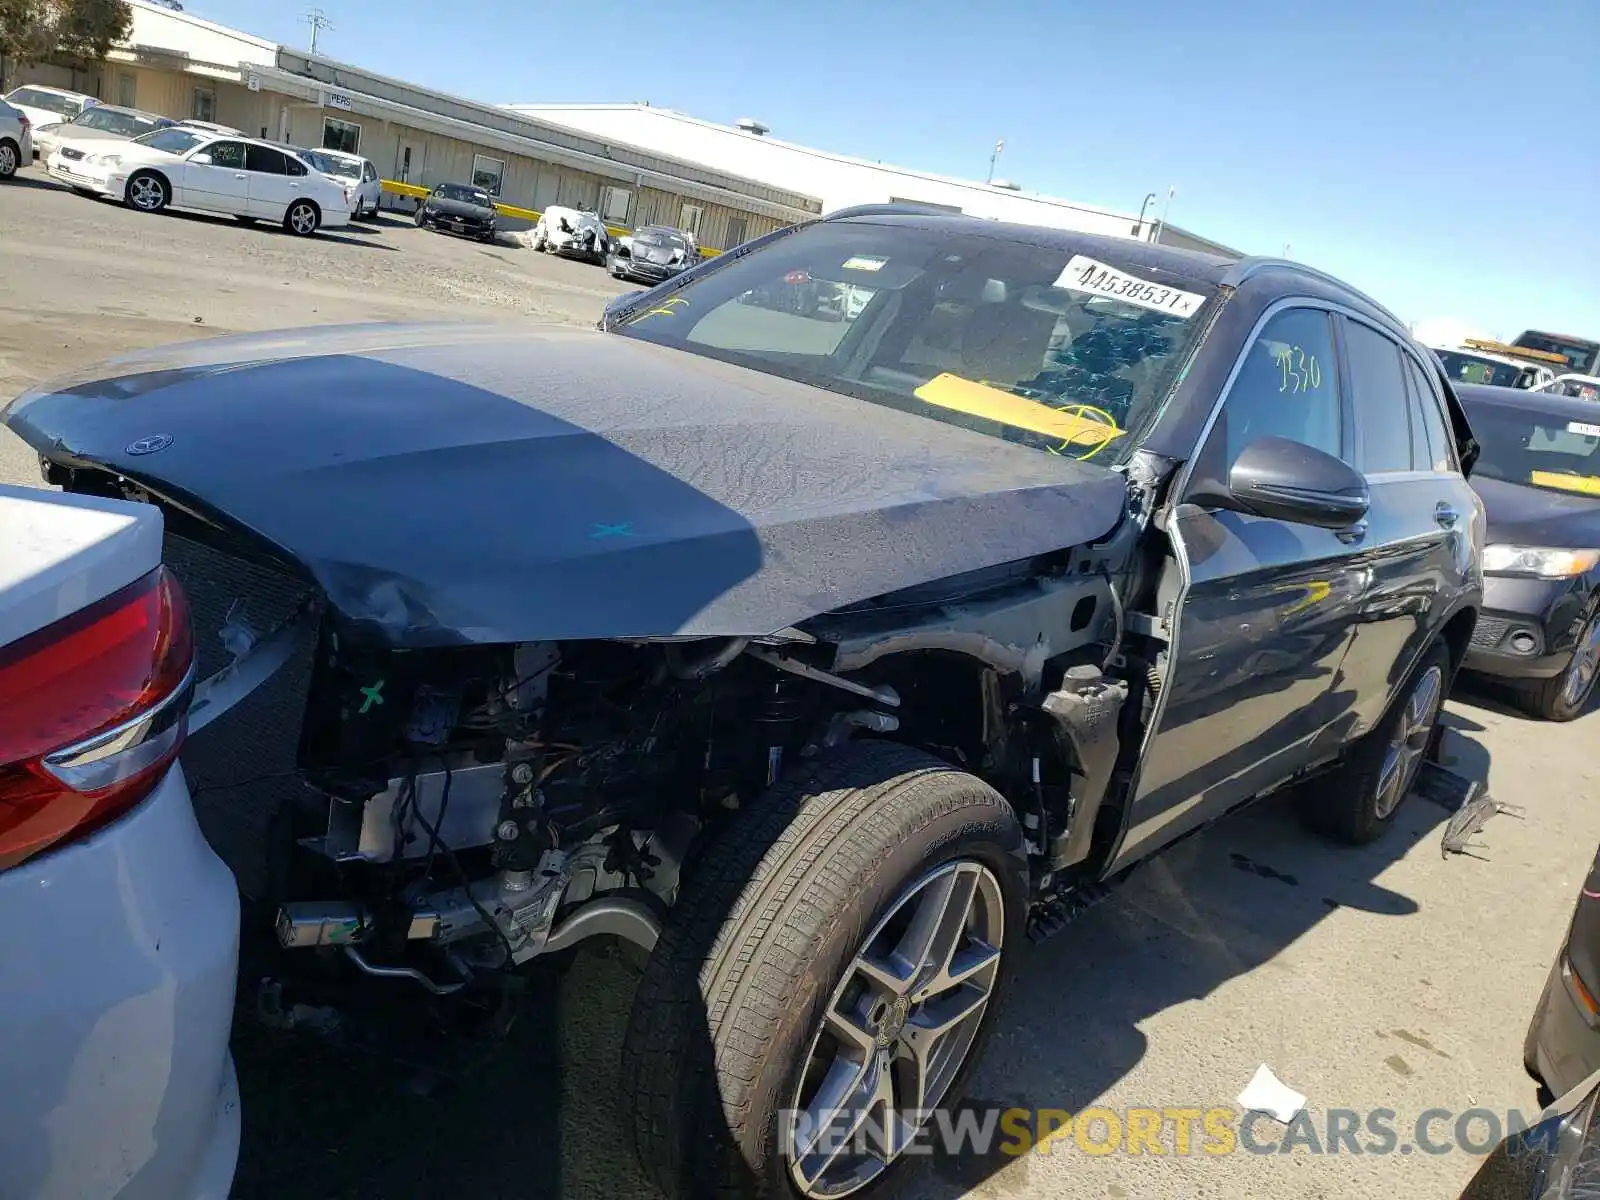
(1419, 525)
(269, 182)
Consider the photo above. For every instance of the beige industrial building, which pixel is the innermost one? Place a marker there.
(633, 164)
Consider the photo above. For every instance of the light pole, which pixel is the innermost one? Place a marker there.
(999, 145)
(1138, 226)
(1165, 208)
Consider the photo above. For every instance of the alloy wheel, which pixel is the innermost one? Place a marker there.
(8, 160)
(1585, 664)
(146, 193)
(897, 1030)
(302, 219)
(1410, 740)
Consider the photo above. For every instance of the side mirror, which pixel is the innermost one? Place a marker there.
(202, 158)
(1289, 481)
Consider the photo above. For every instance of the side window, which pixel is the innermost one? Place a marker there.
(265, 160)
(226, 154)
(1441, 442)
(1378, 399)
(368, 173)
(295, 166)
(1287, 387)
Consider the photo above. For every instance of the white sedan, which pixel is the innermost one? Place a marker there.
(190, 168)
(119, 926)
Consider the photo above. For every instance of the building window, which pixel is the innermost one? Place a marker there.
(488, 173)
(690, 218)
(736, 232)
(127, 89)
(341, 135)
(614, 204)
(203, 105)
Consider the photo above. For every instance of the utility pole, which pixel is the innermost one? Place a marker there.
(318, 20)
(1138, 226)
(1165, 208)
(999, 145)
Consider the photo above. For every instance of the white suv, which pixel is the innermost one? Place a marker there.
(16, 140)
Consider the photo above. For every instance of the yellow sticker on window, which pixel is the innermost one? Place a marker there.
(981, 400)
(1588, 485)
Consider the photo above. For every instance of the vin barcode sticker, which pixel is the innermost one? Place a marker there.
(1086, 275)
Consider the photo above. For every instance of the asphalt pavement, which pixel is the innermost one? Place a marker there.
(1385, 978)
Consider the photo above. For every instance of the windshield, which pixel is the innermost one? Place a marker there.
(48, 101)
(651, 236)
(1470, 368)
(460, 191)
(173, 141)
(1542, 450)
(112, 121)
(1582, 356)
(1018, 341)
(329, 165)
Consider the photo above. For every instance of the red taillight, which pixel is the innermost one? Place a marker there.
(23, 117)
(93, 710)
(797, 277)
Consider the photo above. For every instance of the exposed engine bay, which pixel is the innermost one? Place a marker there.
(462, 810)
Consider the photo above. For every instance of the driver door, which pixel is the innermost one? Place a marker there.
(1265, 610)
(214, 179)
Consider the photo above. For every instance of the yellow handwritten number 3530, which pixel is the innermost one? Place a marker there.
(1300, 371)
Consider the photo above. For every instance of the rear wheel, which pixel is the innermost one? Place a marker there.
(831, 970)
(147, 192)
(10, 158)
(1566, 695)
(302, 219)
(1357, 802)
(420, 218)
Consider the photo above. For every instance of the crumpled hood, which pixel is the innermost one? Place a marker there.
(450, 483)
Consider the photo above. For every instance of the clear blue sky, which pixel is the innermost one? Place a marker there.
(1443, 156)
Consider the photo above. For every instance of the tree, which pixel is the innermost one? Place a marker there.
(78, 32)
(26, 33)
(87, 29)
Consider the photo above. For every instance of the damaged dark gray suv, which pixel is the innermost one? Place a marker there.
(828, 650)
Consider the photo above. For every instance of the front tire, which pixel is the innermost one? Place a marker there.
(420, 220)
(302, 219)
(1356, 803)
(147, 192)
(864, 916)
(1564, 697)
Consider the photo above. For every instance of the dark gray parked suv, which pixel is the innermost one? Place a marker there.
(826, 655)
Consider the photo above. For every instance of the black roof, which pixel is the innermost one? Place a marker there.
(1549, 404)
(1211, 269)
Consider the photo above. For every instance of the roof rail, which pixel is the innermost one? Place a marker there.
(1246, 267)
(902, 208)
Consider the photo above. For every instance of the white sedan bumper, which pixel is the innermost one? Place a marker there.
(81, 173)
(117, 965)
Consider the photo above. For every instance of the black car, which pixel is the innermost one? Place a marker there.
(827, 659)
(651, 254)
(1563, 1043)
(1539, 477)
(459, 208)
(1558, 1158)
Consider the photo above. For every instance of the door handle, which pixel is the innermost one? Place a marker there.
(1351, 533)
(1445, 515)
(241, 175)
